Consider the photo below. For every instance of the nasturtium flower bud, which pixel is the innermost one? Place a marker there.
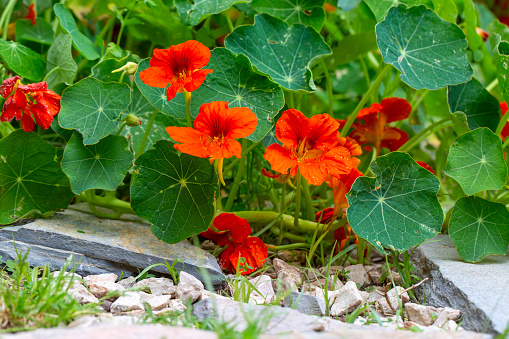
(132, 120)
(130, 68)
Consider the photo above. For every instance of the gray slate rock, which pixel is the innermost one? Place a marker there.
(305, 303)
(479, 290)
(126, 242)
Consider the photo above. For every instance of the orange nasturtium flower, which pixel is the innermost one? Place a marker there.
(309, 145)
(373, 129)
(505, 131)
(215, 129)
(28, 103)
(31, 14)
(234, 233)
(178, 66)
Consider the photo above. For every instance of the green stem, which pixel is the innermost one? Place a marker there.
(228, 21)
(89, 197)
(364, 99)
(107, 202)
(501, 124)
(298, 185)
(365, 72)
(6, 17)
(122, 25)
(188, 108)
(236, 181)
(506, 142)
(108, 25)
(329, 88)
(492, 85)
(310, 215)
(234, 162)
(147, 132)
(49, 73)
(291, 246)
(289, 236)
(283, 208)
(415, 105)
(416, 139)
(121, 128)
(121, 79)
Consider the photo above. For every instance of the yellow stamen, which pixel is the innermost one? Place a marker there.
(220, 171)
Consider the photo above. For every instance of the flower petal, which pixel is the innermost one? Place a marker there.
(254, 252)
(27, 121)
(325, 216)
(190, 139)
(391, 141)
(155, 77)
(241, 122)
(239, 227)
(14, 106)
(196, 79)
(8, 85)
(426, 166)
(196, 54)
(227, 149)
(281, 159)
(322, 132)
(292, 127)
(395, 109)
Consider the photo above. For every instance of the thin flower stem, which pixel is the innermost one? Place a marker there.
(6, 17)
(506, 142)
(416, 139)
(415, 105)
(365, 72)
(89, 197)
(501, 124)
(492, 85)
(121, 128)
(329, 88)
(364, 99)
(188, 108)
(107, 27)
(309, 203)
(122, 25)
(234, 162)
(236, 182)
(122, 77)
(298, 185)
(49, 73)
(147, 133)
(228, 21)
(290, 246)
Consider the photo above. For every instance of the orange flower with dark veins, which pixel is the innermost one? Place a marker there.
(372, 127)
(309, 145)
(32, 103)
(178, 66)
(243, 253)
(215, 129)
(31, 14)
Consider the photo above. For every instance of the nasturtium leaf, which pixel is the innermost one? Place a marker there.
(381, 7)
(479, 228)
(428, 51)
(282, 51)
(399, 208)
(173, 191)
(93, 108)
(41, 32)
(470, 14)
(22, 60)
(353, 46)
(103, 70)
(446, 9)
(460, 123)
(348, 5)
(141, 108)
(481, 108)
(476, 161)
(306, 12)
(60, 65)
(157, 96)
(191, 13)
(80, 41)
(101, 166)
(66, 134)
(234, 80)
(30, 177)
(501, 54)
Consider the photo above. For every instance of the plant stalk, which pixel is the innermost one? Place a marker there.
(147, 132)
(188, 108)
(416, 139)
(236, 181)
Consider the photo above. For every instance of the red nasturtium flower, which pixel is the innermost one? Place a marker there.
(309, 145)
(372, 129)
(278, 177)
(31, 14)
(234, 233)
(28, 103)
(215, 129)
(505, 131)
(178, 66)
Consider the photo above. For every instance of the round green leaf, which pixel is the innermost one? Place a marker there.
(234, 80)
(157, 96)
(476, 161)
(282, 51)
(22, 60)
(428, 51)
(381, 7)
(102, 166)
(479, 228)
(191, 13)
(93, 108)
(41, 32)
(481, 108)
(60, 65)
(30, 177)
(306, 12)
(501, 53)
(399, 208)
(80, 41)
(173, 191)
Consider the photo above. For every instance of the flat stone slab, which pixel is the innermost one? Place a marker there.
(126, 243)
(480, 290)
